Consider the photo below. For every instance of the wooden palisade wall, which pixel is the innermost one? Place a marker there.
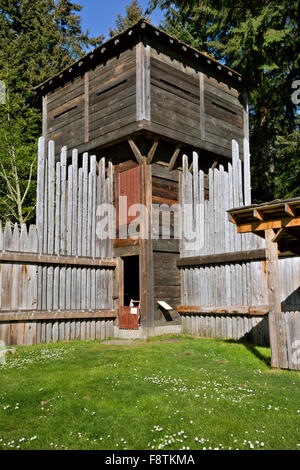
(59, 284)
(223, 298)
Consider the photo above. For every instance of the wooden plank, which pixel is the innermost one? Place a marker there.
(143, 110)
(230, 310)
(152, 151)
(202, 105)
(258, 226)
(6, 284)
(51, 196)
(29, 315)
(136, 151)
(222, 258)
(276, 329)
(247, 172)
(86, 107)
(45, 116)
(93, 234)
(35, 258)
(174, 157)
(146, 257)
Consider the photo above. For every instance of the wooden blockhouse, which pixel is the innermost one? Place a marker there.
(142, 100)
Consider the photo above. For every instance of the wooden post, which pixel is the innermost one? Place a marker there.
(202, 106)
(45, 117)
(119, 286)
(143, 110)
(276, 327)
(86, 108)
(146, 256)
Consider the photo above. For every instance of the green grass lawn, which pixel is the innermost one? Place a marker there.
(164, 394)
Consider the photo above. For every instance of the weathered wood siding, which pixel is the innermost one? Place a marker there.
(193, 107)
(175, 96)
(224, 119)
(65, 114)
(224, 283)
(112, 91)
(252, 329)
(165, 196)
(292, 333)
(166, 275)
(144, 88)
(94, 107)
(63, 275)
(166, 286)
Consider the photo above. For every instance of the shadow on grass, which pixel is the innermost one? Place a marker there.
(253, 349)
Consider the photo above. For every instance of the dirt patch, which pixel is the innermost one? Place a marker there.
(124, 342)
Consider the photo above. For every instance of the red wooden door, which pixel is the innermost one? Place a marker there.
(129, 187)
(129, 318)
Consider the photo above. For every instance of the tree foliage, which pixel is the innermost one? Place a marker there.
(134, 12)
(259, 39)
(38, 38)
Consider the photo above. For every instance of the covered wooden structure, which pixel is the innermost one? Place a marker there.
(279, 223)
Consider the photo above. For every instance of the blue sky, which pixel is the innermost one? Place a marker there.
(99, 15)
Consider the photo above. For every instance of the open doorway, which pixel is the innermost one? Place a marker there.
(131, 280)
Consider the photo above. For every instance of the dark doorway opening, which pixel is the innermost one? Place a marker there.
(131, 280)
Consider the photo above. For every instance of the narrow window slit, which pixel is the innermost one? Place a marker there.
(112, 87)
(65, 112)
(175, 86)
(224, 108)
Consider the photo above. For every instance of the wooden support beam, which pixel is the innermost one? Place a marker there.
(258, 214)
(232, 219)
(222, 258)
(152, 151)
(278, 235)
(11, 257)
(86, 108)
(268, 225)
(259, 310)
(146, 253)
(174, 157)
(202, 104)
(289, 210)
(34, 315)
(276, 326)
(139, 157)
(143, 95)
(45, 117)
(120, 282)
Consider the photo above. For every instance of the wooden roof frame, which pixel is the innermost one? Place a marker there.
(146, 32)
(281, 216)
(279, 223)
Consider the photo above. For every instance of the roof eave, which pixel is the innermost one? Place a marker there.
(133, 35)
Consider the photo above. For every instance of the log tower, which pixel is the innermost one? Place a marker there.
(142, 100)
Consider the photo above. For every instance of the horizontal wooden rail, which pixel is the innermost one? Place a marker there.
(227, 258)
(13, 257)
(221, 258)
(226, 310)
(268, 224)
(33, 315)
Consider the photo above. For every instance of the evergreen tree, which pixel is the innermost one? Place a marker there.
(38, 38)
(134, 12)
(259, 39)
